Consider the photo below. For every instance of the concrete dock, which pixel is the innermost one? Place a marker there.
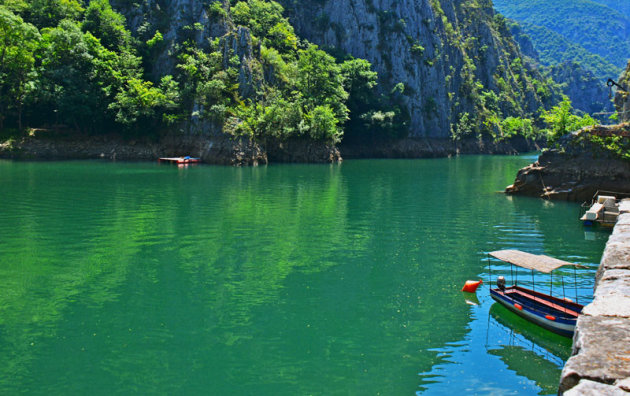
(600, 361)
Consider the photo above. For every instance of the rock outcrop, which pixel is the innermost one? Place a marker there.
(445, 53)
(579, 168)
(587, 92)
(622, 97)
(601, 346)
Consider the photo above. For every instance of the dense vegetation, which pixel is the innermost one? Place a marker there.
(622, 6)
(554, 49)
(65, 63)
(572, 29)
(76, 64)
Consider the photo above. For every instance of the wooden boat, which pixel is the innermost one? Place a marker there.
(552, 313)
(180, 160)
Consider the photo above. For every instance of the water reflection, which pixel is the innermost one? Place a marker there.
(272, 280)
(529, 350)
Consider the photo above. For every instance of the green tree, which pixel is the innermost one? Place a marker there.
(561, 120)
(90, 87)
(359, 81)
(323, 124)
(18, 43)
(266, 21)
(106, 24)
(320, 81)
(140, 100)
(49, 13)
(69, 92)
(513, 126)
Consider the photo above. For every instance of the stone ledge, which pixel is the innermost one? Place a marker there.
(592, 388)
(601, 348)
(600, 364)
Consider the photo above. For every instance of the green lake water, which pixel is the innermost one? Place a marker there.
(139, 278)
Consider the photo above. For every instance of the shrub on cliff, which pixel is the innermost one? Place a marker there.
(561, 120)
(611, 140)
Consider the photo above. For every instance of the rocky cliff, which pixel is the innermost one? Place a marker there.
(595, 158)
(587, 92)
(453, 56)
(622, 97)
(255, 70)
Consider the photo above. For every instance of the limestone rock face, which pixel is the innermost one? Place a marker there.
(577, 170)
(455, 59)
(433, 47)
(622, 97)
(240, 43)
(592, 388)
(587, 92)
(221, 150)
(445, 52)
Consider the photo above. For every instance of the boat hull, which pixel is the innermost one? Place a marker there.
(560, 320)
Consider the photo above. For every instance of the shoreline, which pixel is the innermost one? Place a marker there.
(600, 361)
(227, 150)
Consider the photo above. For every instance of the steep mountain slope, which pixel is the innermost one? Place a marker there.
(622, 97)
(257, 72)
(622, 6)
(553, 49)
(594, 26)
(587, 92)
(458, 62)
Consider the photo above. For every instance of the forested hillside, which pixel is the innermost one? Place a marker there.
(253, 69)
(623, 6)
(553, 49)
(78, 64)
(569, 29)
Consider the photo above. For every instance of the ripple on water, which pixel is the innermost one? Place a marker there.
(291, 279)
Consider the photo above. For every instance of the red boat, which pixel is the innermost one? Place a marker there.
(180, 160)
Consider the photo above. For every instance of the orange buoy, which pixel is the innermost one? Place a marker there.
(471, 286)
(550, 317)
(518, 306)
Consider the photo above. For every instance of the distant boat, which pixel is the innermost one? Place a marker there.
(555, 314)
(180, 160)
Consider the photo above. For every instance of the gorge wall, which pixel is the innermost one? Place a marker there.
(592, 159)
(273, 74)
(622, 97)
(453, 57)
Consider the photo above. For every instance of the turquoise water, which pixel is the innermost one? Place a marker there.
(122, 278)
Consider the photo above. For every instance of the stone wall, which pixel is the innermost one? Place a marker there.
(600, 364)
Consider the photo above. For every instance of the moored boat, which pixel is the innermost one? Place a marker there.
(180, 160)
(552, 313)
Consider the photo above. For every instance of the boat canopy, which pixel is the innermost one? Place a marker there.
(536, 262)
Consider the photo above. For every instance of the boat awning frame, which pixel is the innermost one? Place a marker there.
(538, 262)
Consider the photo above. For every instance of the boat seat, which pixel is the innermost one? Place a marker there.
(543, 301)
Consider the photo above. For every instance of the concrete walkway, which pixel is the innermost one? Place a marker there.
(600, 364)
